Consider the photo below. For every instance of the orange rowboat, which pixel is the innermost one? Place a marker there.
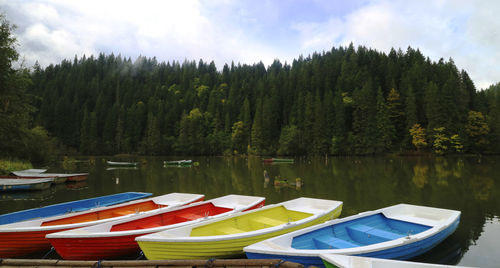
(117, 238)
(26, 237)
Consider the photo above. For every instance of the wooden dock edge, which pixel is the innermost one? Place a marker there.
(229, 263)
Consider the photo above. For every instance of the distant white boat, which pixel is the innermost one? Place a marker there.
(25, 184)
(124, 164)
(33, 170)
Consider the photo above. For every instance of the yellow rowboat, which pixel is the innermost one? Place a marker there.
(226, 237)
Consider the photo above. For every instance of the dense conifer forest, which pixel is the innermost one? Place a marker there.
(344, 101)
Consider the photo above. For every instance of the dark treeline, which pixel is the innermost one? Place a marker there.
(345, 101)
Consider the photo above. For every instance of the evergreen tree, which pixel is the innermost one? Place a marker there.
(238, 138)
(152, 137)
(289, 140)
(84, 132)
(320, 133)
(385, 128)
(363, 123)
(256, 135)
(339, 132)
(396, 113)
(434, 111)
(411, 115)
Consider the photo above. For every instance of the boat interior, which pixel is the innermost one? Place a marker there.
(363, 231)
(106, 213)
(250, 222)
(171, 217)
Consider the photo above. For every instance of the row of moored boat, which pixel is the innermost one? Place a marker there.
(183, 226)
(36, 179)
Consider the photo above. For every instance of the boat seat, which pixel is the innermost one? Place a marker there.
(188, 216)
(372, 232)
(333, 243)
(147, 226)
(266, 221)
(227, 230)
(122, 213)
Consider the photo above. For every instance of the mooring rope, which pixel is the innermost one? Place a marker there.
(210, 263)
(97, 264)
(48, 253)
(279, 263)
(141, 254)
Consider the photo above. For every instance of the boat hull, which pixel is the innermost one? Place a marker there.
(217, 249)
(96, 248)
(403, 252)
(77, 178)
(15, 244)
(57, 180)
(7, 185)
(345, 261)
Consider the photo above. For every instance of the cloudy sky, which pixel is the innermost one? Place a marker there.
(248, 31)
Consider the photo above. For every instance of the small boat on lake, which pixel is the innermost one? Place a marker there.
(55, 180)
(73, 206)
(16, 184)
(278, 160)
(343, 261)
(225, 237)
(121, 168)
(122, 164)
(22, 238)
(58, 177)
(397, 232)
(34, 170)
(178, 163)
(117, 238)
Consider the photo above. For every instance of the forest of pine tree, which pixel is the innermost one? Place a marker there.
(345, 101)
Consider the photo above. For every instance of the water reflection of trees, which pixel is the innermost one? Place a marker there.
(420, 175)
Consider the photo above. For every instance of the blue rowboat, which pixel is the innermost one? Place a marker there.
(74, 206)
(397, 232)
(7, 185)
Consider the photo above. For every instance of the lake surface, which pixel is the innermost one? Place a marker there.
(468, 184)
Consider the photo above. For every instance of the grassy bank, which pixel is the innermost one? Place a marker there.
(8, 165)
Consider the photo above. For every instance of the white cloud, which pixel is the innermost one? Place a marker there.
(170, 30)
(465, 31)
(248, 31)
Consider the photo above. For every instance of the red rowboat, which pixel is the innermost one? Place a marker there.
(117, 238)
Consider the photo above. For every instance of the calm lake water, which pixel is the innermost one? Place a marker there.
(468, 184)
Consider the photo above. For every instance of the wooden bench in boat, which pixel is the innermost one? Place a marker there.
(227, 230)
(260, 221)
(370, 231)
(188, 216)
(150, 225)
(123, 213)
(333, 243)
